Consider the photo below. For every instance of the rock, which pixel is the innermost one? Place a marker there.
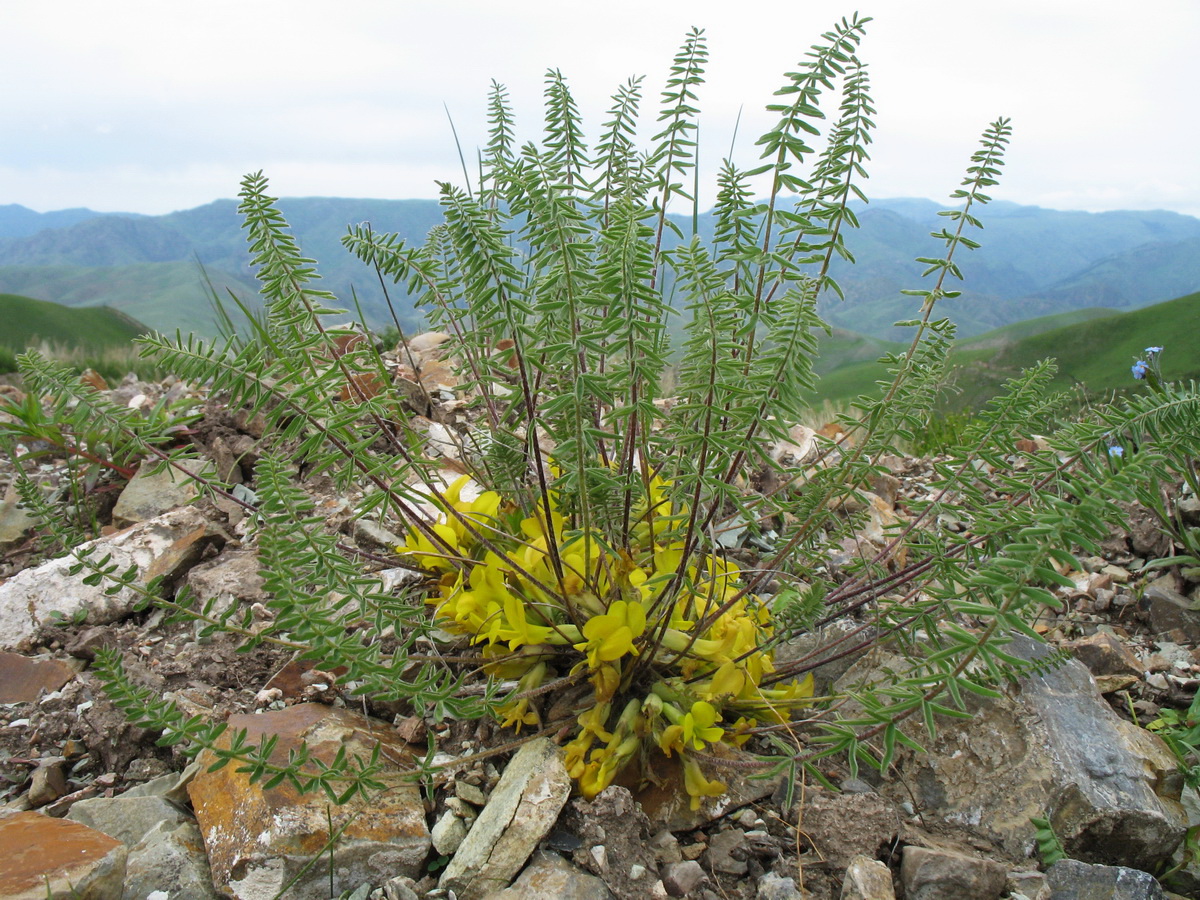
(42, 858)
(149, 494)
(1104, 654)
(1170, 610)
(777, 887)
(840, 642)
(845, 826)
(24, 679)
(259, 839)
(15, 522)
(1070, 879)
(448, 833)
(521, 811)
(681, 878)
(1111, 798)
(30, 598)
(942, 875)
(613, 836)
(231, 575)
(170, 858)
(867, 879)
(128, 819)
(48, 782)
(550, 877)
(727, 852)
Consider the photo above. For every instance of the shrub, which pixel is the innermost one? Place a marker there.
(587, 550)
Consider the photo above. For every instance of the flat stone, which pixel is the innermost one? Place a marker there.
(1052, 748)
(42, 858)
(521, 810)
(258, 840)
(867, 879)
(1171, 611)
(727, 852)
(845, 826)
(149, 494)
(1104, 654)
(231, 574)
(943, 875)
(31, 598)
(128, 819)
(681, 878)
(550, 877)
(23, 679)
(1070, 879)
(170, 859)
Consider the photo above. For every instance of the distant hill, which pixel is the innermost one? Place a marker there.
(1094, 349)
(20, 221)
(28, 322)
(1034, 262)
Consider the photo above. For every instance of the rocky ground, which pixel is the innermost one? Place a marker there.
(93, 807)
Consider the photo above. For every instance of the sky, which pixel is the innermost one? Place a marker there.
(151, 107)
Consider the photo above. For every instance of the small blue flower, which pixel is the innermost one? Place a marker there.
(1153, 350)
(1139, 369)
(1116, 451)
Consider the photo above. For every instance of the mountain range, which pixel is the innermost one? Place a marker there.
(1033, 262)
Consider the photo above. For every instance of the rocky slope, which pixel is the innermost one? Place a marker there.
(94, 804)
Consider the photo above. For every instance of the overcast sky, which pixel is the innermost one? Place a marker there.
(160, 105)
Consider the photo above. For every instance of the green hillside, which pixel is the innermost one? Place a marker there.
(1094, 349)
(164, 295)
(96, 329)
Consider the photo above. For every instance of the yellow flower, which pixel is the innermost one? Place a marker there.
(697, 785)
(517, 714)
(611, 636)
(693, 729)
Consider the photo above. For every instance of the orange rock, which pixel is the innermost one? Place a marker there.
(265, 837)
(22, 679)
(92, 378)
(837, 433)
(42, 857)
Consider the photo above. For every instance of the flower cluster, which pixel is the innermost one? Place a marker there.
(670, 649)
(1148, 369)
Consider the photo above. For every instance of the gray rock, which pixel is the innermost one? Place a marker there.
(170, 858)
(1171, 611)
(681, 878)
(30, 599)
(550, 877)
(150, 494)
(727, 851)
(448, 833)
(1070, 879)
(233, 574)
(614, 840)
(522, 809)
(1025, 756)
(867, 879)
(128, 819)
(844, 826)
(942, 875)
(833, 640)
(777, 887)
